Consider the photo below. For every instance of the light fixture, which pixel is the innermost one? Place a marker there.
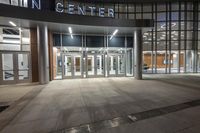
(71, 36)
(12, 23)
(113, 34)
(20, 29)
(70, 31)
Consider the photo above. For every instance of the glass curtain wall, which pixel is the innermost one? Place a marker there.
(172, 46)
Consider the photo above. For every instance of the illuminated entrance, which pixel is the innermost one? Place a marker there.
(98, 57)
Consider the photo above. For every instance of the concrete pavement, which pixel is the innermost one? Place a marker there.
(66, 104)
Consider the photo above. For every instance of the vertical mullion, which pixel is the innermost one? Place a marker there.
(196, 35)
(118, 9)
(1, 69)
(170, 33)
(114, 10)
(185, 36)
(166, 38)
(156, 37)
(152, 43)
(197, 47)
(179, 37)
(127, 11)
(142, 10)
(135, 10)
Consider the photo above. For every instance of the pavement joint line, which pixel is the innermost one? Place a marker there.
(11, 112)
(129, 119)
(3, 107)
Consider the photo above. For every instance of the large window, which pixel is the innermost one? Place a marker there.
(22, 3)
(14, 55)
(14, 39)
(172, 46)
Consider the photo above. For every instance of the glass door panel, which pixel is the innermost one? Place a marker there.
(67, 66)
(7, 67)
(129, 63)
(77, 65)
(23, 66)
(90, 65)
(112, 65)
(100, 64)
(121, 64)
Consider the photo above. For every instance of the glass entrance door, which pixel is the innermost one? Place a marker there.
(100, 67)
(90, 65)
(77, 66)
(72, 66)
(7, 68)
(67, 66)
(95, 65)
(112, 65)
(121, 65)
(116, 65)
(14, 67)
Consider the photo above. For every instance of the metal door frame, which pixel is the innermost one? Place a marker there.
(15, 68)
(95, 65)
(72, 56)
(116, 55)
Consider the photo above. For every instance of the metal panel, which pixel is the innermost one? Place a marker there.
(94, 41)
(49, 16)
(68, 41)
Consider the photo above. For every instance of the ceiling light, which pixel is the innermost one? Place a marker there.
(114, 33)
(20, 29)
(12, 23)
(70, 30)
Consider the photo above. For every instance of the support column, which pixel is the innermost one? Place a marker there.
(138, 54)
(43, 55)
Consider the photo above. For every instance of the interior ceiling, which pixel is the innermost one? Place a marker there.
(77, 29)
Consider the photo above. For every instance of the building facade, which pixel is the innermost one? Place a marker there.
(98, 39)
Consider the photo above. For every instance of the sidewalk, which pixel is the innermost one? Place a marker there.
(12, 93)
(103, 104)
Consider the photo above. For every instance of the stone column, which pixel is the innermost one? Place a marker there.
(43, 55)
(138, 63)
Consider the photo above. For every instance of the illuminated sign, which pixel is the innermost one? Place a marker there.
(81, 9)
(84, 10)
(34, 4)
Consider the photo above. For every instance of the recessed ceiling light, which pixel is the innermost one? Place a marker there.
(70, 31)
(114, 33)
(12, 23)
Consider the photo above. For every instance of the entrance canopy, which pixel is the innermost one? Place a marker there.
(113, 57)
(30, 18)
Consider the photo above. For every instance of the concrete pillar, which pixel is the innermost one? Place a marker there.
(43, 55)
(138, 54)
